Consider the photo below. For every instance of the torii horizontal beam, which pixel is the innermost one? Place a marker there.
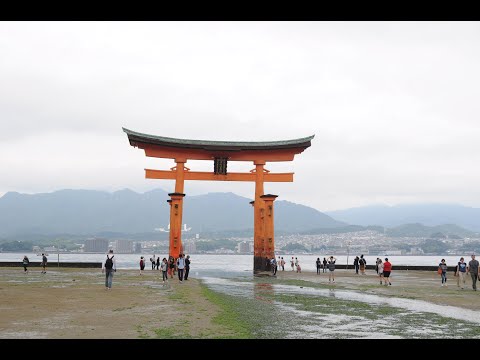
(200, 175)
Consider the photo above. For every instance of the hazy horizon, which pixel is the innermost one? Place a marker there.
(393, 105)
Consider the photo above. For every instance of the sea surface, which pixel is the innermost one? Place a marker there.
(226, 265)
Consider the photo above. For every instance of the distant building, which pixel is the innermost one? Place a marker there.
(96, 245)
(50, 249)
(36, 249)
(189, 247)
(243, 247)
(124, 246)
(138, 247)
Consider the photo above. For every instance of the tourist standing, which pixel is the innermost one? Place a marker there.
(282, 263)
(164, 268)
(109, 266)
(355, 264)
(142, 265)
(380, 269)
(274, 264)
(158, 262)
(376, 264)
(461, 272)
(472, 268)
(25, 263)
(292, 263)
(153, 260)
(297, 264)
(180, 266)
(387, 269)
(324, 264)
(44, 263)
(171, 266)
(187, 267)
(319, 265)
(362, 263)
(442, 267)
(331, 269)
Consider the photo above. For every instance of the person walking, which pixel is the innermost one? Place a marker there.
(25, 263)
(461, 272)
(153, 260)
(362, 263)
(142, 265)
(380, 269)
(187, 267)
(356, 264)
(158, 262)
(331, 269)
(109, 266)
(387, 269)
(164, 268)
(324, 265)
(180, 266)
(376, 264)
(282, 264)
(442, 268)
(472, 268)
(297, 264)
(319, 265)
(292, 263)
(44, 263)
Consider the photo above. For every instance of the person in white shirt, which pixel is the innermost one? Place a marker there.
(180, 266)
(109, 266)
(380, 270)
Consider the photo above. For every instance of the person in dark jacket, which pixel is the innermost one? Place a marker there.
(187, 267)
(25, 263)
(356, 264)
(158, 262)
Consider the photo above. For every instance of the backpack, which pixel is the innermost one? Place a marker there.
(109, 263)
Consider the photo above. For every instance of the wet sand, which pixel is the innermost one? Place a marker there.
(73, 303)
(420, 285)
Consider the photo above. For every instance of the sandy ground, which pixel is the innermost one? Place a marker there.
(73, 303)
(420, 285)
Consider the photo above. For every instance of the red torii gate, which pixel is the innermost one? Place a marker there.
(259, 152)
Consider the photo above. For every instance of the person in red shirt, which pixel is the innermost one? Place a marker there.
(387, 269)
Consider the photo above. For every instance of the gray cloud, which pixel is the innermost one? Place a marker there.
(394, 106)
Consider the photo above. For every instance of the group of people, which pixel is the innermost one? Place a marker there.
(169, 267)
(461, 271)
(384, 270)
(181, 266)
(43, 264)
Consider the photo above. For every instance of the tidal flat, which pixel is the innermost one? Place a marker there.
(73, 303)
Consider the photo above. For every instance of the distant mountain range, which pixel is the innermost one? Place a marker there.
(426, 214)
(125, 213)
(92, 213)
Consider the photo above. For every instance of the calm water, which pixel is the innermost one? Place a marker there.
(226, 265)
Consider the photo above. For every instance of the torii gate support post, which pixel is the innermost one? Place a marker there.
(176, 209)
(269, 233)
(259, 263)
(175, 237)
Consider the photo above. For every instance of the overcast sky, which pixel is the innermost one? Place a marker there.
(394, 106)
